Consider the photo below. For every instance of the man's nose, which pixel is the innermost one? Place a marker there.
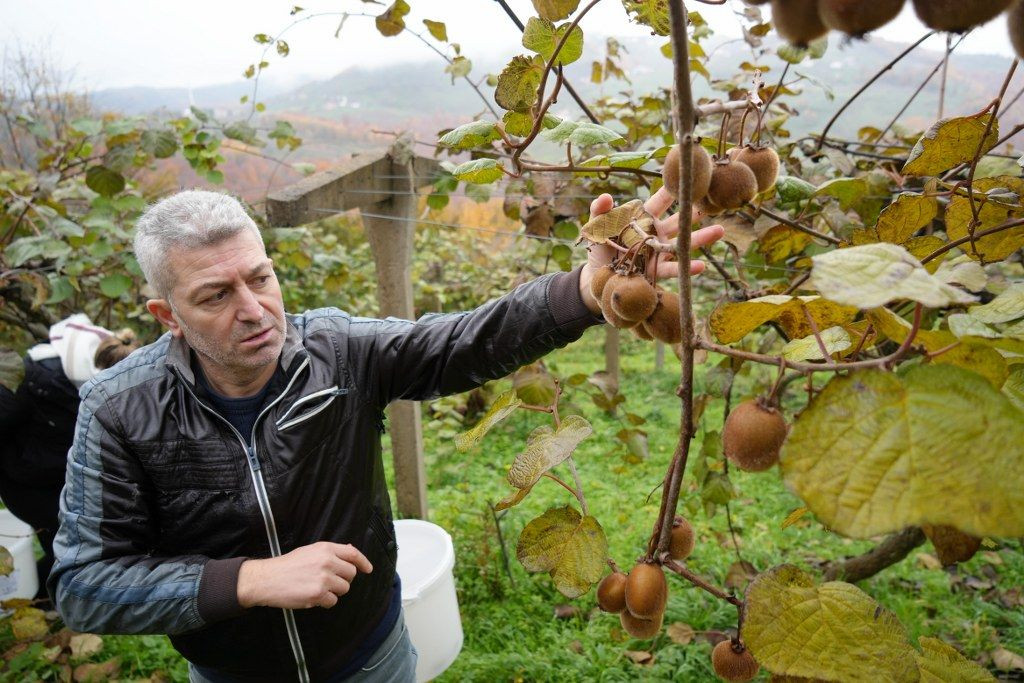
(249, 309)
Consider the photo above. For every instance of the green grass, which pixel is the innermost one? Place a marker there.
(511, 633)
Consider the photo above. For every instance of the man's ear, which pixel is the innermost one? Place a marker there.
(161, 310)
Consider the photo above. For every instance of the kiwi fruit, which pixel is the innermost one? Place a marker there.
(634, 298)
(641, 628)
(733, 184)
(681, 544)
(646, 591)
(641, 332)
(951, 544)
(709, 208)
(732, 661)
(611, 593)
(606, 304)
(701, 172)
(856, 17)
(764, 162)
(663, 323)
(600, 279)
(1015, 22)
(753, 435)
(958, 15)
(798, 21)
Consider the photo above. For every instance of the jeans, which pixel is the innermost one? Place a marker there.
(393, 662)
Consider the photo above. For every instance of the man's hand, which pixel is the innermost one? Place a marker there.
(660, 201)
(311, 576)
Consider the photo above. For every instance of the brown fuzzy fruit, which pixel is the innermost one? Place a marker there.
(611, 593)
(646, 591)
(958, 15)
(682, 542)
(663, 323)
(641, 628)
(733, 184)
(753, 435)
(733, 662)
(1015, 23)
(600, 279)
(606, 304)
(701, 171)
(641, 332)
(764, 162)
(797, 21)
(709, 208)
(856, 17)
(951, 544)
(634, 298)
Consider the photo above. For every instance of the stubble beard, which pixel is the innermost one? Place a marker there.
(226, 357)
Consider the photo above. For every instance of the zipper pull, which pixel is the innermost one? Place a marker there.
(254, 463)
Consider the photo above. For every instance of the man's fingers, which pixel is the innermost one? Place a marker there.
(327, 600)
(671, 269)
(603, 204)
(668, 228)
(659, 202)
(338, 585)
(706, 236)
(350, 554)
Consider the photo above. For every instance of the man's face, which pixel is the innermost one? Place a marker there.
(226, 303)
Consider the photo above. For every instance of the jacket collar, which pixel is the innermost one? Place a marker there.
(179, 353)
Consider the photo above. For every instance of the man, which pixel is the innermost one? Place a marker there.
(227, 480)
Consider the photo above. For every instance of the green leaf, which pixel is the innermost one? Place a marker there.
(162, 144)
(60, 290)
(847, 190)
(620, 159)
(518, 83)
(471, 135)
(546, 449)
(562, 255)
(12, 371)
(502, 407)
(459, 67)
(478, 171)
(541, 36)
(732, 321)
(950, 142)
(582, 134)
(241, 131)
(872, 275)
(437, 29)
(200, 115)
(717, 488)
(909, 213)
(554, 10)
(391, 22)
(792, 189)
(115, 284)
(573, 549)
(653, 13)
(104, 181)
(831, 632)
(521, 123)
(534, 385)
(876, 452)
(1013, 388)
(87, 126)
(939, 662)
(835, 339)
(1007, 306)
(282, 48)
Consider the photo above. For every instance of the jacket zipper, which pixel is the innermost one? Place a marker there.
(264, 502)
(331, 393)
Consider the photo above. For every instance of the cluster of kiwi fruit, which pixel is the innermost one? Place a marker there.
(753, 435)
(640, 598)
(630, 301)
(801, 21)
(727, 181)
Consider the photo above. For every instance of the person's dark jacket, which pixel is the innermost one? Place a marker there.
(36, 426)
(163, 497)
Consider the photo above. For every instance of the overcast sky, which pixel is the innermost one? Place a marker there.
(113, 43)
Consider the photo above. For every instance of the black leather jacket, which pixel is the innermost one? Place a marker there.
(164, 499)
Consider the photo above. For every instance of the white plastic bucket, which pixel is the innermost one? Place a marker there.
(17, 537)
(426, 558)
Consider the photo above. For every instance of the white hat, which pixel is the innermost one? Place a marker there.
(75, 340)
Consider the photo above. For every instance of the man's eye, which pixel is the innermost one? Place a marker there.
(219, 296)
(262, 280)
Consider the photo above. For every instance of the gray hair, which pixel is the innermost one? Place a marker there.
(186, 220)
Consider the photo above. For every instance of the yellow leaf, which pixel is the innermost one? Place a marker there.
(546, 448)
(502, 407)
(833, 631)
(573, 549)
(939, 663)
(909, 213)
(733, 321)
(991, 213)
(781, 242)
(29, 623)
(793, 517)
(835, 340)
(875, 452)
(950, 142)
